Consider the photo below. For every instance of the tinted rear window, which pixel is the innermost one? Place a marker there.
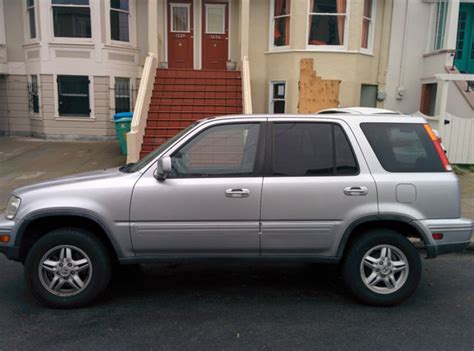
(403, 147)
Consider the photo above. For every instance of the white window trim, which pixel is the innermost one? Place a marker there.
(2, 25)
(36, 115)
(56, 115)
(271, 30)
(370, 39)
(271, 100)
(221, 6)
(172, 6)
(94, 8)
(328, 47)
(132, 26)
(26, 22)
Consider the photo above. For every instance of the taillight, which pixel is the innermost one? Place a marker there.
(439, 149)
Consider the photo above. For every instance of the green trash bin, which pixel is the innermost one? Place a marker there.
(122, 127)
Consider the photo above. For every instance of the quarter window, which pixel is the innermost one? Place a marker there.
(226, 150)
(119, 20)
(73, 96)
(311, 149)
(327, 19)
(72, 18)
(30, 13)
(277, 98)
(281, 22)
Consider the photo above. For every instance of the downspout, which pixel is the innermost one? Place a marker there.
(401, 88)
(384, 50)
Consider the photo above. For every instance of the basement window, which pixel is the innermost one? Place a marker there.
(122, 95)
(281, 15)
(277, 97)
(327, 20)
(73, 96)
(428, 99)
(72, 18)
(33, 93)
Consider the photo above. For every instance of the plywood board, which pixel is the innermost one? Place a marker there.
(315, 93)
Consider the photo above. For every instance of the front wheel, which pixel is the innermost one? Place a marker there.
(68, 268)
(382, 268)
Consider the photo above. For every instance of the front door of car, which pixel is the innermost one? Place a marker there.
(315, 185)
(210, 203)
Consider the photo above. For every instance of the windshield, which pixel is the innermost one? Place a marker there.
(145, 160)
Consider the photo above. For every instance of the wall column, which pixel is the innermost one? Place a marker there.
(244, 27)
(153, 27)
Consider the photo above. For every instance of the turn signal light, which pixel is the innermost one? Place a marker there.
(4, 239)
(437, 236)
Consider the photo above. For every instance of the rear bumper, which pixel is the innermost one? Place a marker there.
(456, 235)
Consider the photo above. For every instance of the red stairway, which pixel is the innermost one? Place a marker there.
(182, 96)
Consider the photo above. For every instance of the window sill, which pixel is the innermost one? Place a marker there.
(340, 51)
(71, 42)
(31, 44)
(439, 52)
(119, 46)
(75, 118)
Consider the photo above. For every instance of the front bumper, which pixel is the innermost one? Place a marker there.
(10, 250)
(456, 235)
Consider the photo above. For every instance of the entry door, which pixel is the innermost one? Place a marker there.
(464, 60)
(210, 204)
(180, 34)
(215, 38)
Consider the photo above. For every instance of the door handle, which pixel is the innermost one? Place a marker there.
(356, 191)
(237, 193)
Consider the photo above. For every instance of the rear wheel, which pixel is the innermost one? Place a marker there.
(382, 268)
(68, 268)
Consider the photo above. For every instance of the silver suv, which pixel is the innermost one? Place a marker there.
(338, 188)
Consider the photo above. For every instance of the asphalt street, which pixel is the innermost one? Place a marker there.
(245, 305)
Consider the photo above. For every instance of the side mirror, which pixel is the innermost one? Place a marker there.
(163, 168)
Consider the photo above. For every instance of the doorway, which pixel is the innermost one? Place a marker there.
(180, 34)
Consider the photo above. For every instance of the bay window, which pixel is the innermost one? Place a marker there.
(367, 24)
(119, 20)
(327, 20)
(31, 18)
(72, 18)
(281, 22)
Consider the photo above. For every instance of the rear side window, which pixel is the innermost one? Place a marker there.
(311, 149)
(402, 147)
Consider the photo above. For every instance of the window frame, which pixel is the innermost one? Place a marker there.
(259, 157)
(78, 117)
(271, 41)
(132, 23)
(33, 114)
(343, 47)
(188, 8)
(26, 22)
(271, 99)
(269, 172)
(130, 92)
(220, 6)
(92, 13)
(370, 39)
(436, 18)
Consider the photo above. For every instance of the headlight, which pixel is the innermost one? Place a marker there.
(12, 207)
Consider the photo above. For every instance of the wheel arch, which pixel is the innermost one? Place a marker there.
(40, 223)
(402, 224)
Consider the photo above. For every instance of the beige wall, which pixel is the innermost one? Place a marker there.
(3, 106)
(351, 66)
(17, 121)
(14, 30)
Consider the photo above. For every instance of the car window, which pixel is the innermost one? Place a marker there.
(226, 150)
(311, 149)
(402, 147)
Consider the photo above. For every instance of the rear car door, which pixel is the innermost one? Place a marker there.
(316, 183)
(210, 205)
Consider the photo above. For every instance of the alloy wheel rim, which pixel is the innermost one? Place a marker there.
(65, 270)
(384, 269)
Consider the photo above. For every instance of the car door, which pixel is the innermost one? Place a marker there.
(210, 204)
(316, 183)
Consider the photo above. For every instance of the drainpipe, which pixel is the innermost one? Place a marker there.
(401, 88)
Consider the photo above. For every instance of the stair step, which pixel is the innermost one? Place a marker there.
(199, 81)
(175, 73)
(178, 116)
(196, 101)
(197, 94)
(203, 109)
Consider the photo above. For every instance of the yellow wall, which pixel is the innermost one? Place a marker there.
(351, 66)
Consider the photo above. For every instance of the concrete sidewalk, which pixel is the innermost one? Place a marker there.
(26, 161)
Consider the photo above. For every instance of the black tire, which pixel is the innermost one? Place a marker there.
(352, 267)
(99, 275)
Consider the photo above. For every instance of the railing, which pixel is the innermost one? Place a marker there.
(140, 114)
(246, 87)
